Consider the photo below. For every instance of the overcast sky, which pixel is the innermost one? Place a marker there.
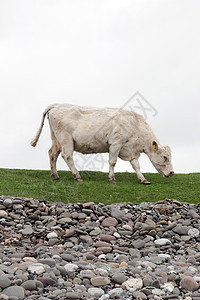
(100, 53)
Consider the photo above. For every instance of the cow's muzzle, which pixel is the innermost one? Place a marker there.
(170, 174)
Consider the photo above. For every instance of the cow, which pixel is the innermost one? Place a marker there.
(121, 133)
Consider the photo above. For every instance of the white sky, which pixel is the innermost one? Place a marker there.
(99, 53)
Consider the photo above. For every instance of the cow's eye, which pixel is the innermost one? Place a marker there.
(165, 158)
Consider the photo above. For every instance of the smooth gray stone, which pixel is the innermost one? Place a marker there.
(16, 291)
(4, 281)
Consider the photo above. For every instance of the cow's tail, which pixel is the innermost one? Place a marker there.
(36, 138)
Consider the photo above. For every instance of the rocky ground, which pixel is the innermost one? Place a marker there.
(89, 251)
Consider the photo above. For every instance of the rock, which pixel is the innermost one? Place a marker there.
(168, 287)
(138, 244)
(15, 291)
(193, 232)
(47, 281)
(70, 267)
(139, 295)
(109, 221)
(87, 274)
(127, 227)
(28, 230)
(147, 281)
(182, 230)
(158, 292)
(47, 261)
(4, 297)
(67, 257)
(134, 253)
(117, 213)
(115, 293)
(156, 284)
(193, 214)
(86, 238)
(52, 235)
(95, 232)
(4, 281)
(53, 241)
(119, 277)
(73, 295)
(189, 283)
(164, 257)
(95, 292)
(82, 216)
(133, 284)
(32, 285)
(69, 233)
(69, 245)
(64, 220)
(107, 237)
(102, 244)
(8, 203)
(30, 259)
(36, 268)
(100, 281)
(162, 242)
(3, 214)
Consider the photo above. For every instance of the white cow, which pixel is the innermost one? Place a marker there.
(120, 132)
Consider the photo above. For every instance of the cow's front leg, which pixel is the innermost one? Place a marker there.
(113, 154)
(136, 166)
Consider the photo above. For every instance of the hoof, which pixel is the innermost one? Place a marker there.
(113, 181)
(55, 177)
(79, 179)
(145, 182)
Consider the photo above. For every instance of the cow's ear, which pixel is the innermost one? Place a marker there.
(154, 145)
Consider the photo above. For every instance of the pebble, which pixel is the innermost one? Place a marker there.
(36, 268)
(95, 292)
(4, 281)
(189, 283)
(119, 277)
(133, 284)
(100, 281)
(52, 235)
(162, 242)
(70, 267)
(194, 232)
(93, 251)
(8, 203)
(109, 221)
(3, 214)
(32, 285)
(15, 291)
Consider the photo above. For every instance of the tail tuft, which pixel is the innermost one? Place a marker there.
(33, 143)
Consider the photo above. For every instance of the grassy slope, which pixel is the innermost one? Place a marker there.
(95, 187)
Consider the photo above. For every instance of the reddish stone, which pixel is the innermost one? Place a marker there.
(109, 221)
(107, 237)
(102, 244)
(68, 233)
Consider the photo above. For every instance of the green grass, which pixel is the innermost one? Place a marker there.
(96, 187)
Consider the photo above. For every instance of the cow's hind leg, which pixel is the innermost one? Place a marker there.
(67, 155)
(113, 154)
(54, 151)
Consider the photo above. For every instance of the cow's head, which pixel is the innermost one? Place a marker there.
(160, 157)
